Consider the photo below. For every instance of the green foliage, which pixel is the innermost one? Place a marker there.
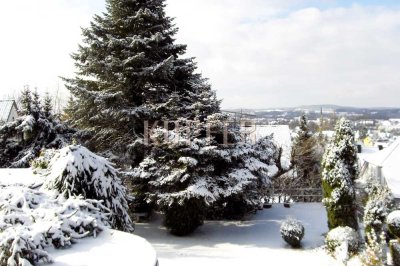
(375, 253)
(40, 164)
(339, 171)
(182, 218)
(394, 247)
(43, 161)
(378, 206)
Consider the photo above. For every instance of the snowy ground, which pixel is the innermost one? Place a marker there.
(110, 248)
(23, 176)
(256, 241)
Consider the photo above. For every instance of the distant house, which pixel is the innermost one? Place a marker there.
(384, 166)
(8, 111)
(368, 141)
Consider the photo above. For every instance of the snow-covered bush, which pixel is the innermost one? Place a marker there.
(74, 171)
(379, 204)
(393, 223)
(375, 253)
(31, 221)
(292, 231)
(394, 247)
(339, 171)
(185, 167)
(342, 235)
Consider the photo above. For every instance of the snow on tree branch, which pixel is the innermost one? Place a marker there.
(75, 170)
(31, 221)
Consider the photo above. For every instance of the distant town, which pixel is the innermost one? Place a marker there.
(373, 126)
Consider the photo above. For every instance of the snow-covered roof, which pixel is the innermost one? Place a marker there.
(5, 109)
(388, 160)
(385, 156)
(281, 137)
(281, 133)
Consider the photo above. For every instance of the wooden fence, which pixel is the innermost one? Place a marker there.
(279, 195)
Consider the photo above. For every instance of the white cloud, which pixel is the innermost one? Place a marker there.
(37, 40)
(291, 57)
(256, 53)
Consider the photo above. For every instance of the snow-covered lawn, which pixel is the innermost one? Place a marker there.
(256, 241)
(35, 221)
(109, 248)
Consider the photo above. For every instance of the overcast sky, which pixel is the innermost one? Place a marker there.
(256, 53)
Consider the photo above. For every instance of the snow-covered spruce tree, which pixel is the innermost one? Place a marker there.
(74, 171)
(26, 101)
(22, 140)
(47, 106)
(128, 68)
(340, 169)
(260, 162)
(306, 158)
(37, 109)
(188, 174)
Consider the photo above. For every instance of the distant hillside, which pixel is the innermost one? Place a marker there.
(312, 110)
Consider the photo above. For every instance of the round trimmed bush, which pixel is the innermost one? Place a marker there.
(342, 234)
(292, 231)
(393, 222)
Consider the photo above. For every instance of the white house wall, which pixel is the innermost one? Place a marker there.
(13, 114)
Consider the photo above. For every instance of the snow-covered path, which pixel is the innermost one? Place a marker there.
(256, 241)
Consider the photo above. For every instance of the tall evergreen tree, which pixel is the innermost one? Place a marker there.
(36, 105)
(26, 101)
(128, 68)
(47, 105)
(339, 172)
(69, 110)
(306, 157)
